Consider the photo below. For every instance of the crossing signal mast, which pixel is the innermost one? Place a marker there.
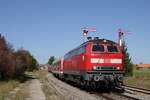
(121, 33)
(85, 32)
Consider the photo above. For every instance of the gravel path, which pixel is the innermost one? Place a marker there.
(35, 91)
(68, 92)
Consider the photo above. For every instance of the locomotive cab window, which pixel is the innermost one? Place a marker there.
(112, 48)
(98, 48)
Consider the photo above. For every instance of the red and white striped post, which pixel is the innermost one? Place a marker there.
(121, 33)
(85, 31)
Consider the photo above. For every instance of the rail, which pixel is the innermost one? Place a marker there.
(137, 89)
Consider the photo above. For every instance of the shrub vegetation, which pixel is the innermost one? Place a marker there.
(14, 63)
(140, 78)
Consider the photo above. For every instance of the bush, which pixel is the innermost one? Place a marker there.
(14, 63)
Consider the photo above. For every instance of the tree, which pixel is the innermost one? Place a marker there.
(33, 64)
(25, 60)
(127, 64)
(7, 65)
(13, 64)
(141, 63)
(51, 59)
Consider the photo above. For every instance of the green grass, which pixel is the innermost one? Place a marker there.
(49, 93)
(23, 93)
(140, 78)
(6, 87)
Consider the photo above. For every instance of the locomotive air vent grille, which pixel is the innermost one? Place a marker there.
(106, 68)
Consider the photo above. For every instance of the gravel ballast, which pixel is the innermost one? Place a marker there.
(68, 92)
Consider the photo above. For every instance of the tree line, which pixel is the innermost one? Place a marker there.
(14, 63)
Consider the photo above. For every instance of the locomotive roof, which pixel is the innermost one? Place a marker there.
(95, 41)
(99, 41)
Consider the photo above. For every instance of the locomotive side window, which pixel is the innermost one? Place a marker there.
(83, 49)
(76, 52)
(112, 48)
(98, 48)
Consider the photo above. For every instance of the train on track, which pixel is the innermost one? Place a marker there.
(96, 63)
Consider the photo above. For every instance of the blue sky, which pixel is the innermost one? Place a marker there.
(53, 27)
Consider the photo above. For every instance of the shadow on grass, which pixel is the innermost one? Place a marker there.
(25, 77)
(21, 78)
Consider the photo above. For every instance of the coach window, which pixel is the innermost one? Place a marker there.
(98, 48)
(112, 48)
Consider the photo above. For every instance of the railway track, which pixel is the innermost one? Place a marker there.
(128, 96)
(117, 96)
(130, 93)
(137, 89)
(142, 93)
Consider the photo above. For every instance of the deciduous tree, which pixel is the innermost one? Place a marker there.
(14, 63)
(51, 59)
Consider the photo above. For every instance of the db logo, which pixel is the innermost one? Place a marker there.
(107, 61)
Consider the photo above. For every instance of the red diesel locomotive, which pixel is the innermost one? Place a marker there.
(96, 63)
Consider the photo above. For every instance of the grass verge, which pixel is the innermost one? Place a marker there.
(49, 92)
(16, 89)
(140, 78)
(23, 92)
(6, 87)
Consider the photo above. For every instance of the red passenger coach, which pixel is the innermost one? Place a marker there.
(57, 67)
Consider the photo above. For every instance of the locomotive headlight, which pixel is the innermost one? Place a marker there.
(118, 68)
(94, 67)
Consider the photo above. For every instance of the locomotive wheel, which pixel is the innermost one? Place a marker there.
(93, 85)
(110, 86)
(98, 85)
(87, 86)
(78, 83)
(83, 83)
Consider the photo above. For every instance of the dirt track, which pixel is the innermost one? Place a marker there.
(35, 91)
